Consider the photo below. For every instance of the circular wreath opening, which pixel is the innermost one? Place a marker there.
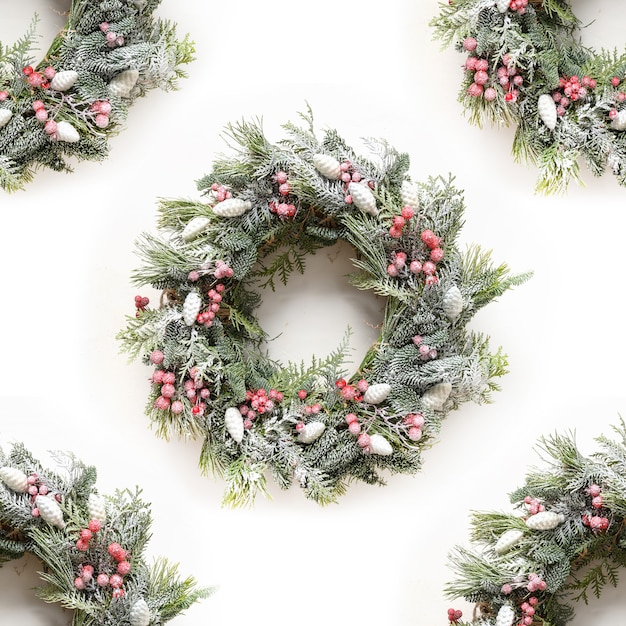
(314, 424)
(527, 66)
(564, 542)
(68, 104)
(92, 546)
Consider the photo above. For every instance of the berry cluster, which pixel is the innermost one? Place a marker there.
(528, 611)
(37, 488)
(111, 571)
(112, 38)
(194, 388)
(596, 522)
(398, 266)
(350, 175)
(207, 316)
(222, 270)
(414, 423)
(284, 210)
(351, 392)
(508, 78)
(38, 79)
(220, 193)
(519, 6)
(454, 615)
(571, 89)
(101, 109)
(398, 222)
(141, 302)
(258, 402)
(427, 353)
(533, 505)
(618, 96)
(536, 583)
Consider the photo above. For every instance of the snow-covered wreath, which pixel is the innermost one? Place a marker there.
(70, 102)
(565, 540)
(266, 208)
(526, 66)
(92, 546)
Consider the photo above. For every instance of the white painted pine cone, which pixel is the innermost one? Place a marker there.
(545, 520)
(379, 445)
(507, 540)
(5, 116)
(619, 123)
(311, 432)
(62, 81)
(96, 508)
(191, 307)
(452, 303)
(122, 84)
(233, 421)
(375, 394)
(194, 227)
(327, 166)
(232, 207)
(435, 397)
(14, 479)
(409, 194)
(546, 107)
(363, 198)
(506, 616)
(50, 511)
(66, 132)
(139, 613)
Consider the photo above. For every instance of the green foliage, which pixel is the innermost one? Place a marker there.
(127, 521)
(543, 45)
(224, 354)
(575, 557)
(149, 45)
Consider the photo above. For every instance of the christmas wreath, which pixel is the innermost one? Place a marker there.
(77, 96)
(266, 208)
(92, 546)
(565, 541)
(526, 66)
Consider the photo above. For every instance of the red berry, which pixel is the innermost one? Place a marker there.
(94, 525)
(469, 44)
(407, 212)
(27, 71)
(102, 580)
(123, 568)
(116, 581)
(363, 440)
(341, 383)
(79, 583)
(615, 81)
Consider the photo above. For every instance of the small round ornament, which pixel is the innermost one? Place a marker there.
(93, 566)
(68, 105)
(526, 65)
(319, 427)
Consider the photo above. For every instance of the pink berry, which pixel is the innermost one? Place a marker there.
(300, 426)
(117, 594)
(482, 65)
(169, 378)
(87, 573)
(43, 490)
(354, 428)
(436, 254)
(79, 583)
(429, 268)
(490, 94)
(102, 120)
(177, 407)
(162, 403)
(475, 90)
(615, 81)
(284, 189)
(469, 44)
(415, 267)
(116, 581)
(348, 199)
(596, 502)
(302, 394)
(417, 339)
(41, 115)
(102, 580)
(594, 490)
(363, 440)
(85, 534)
(470, 63)
(35, 512)
(281, 177)
(33, 490)
(415, 434)
(3, 95)
(392, 270)
(123, 568)
(50, 127)
(82, 545)
(356, 177)
(168, 391)
(395, 232)
(407, 212)
(481, 78)
(104, 26)
(429, 238)
(38, 104)
(506, 589)
(94, 525)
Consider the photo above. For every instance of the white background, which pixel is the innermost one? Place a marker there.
(368, 69)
